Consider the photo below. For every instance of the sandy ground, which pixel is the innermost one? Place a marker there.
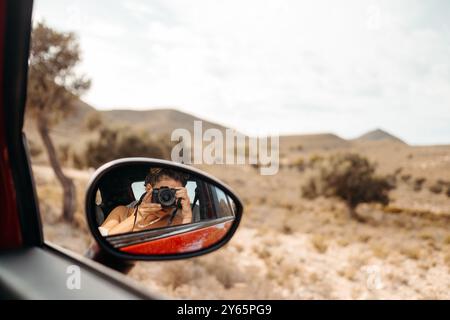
(289, 247)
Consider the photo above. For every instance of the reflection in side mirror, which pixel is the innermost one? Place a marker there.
(153, 209)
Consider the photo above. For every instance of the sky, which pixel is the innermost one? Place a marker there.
(270, 67)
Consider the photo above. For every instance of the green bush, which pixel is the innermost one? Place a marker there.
(349, 177)
(114, 143)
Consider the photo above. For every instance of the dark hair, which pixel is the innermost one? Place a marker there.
(156, 174)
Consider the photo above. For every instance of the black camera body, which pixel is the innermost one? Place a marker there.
(166, 197)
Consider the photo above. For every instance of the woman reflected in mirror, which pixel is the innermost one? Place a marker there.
(145, 213)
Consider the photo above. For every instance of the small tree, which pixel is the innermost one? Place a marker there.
(351, 178)
(52, 87)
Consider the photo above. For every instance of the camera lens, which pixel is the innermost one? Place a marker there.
(166, 197)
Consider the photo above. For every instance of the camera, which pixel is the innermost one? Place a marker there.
(165, 196)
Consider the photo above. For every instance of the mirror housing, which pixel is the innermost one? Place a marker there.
(183, 239)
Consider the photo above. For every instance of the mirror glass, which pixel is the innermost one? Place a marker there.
(147, 210)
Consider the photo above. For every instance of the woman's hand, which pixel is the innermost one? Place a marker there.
(185, 204)
(147, 208)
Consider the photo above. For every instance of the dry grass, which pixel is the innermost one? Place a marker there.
(412, 252)
(320, 243)
(289, 247)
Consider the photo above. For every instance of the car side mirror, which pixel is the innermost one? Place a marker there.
(149, 209)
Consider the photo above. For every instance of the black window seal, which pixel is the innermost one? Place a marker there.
(16, 53)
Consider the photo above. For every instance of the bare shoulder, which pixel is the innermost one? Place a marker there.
(120, 213)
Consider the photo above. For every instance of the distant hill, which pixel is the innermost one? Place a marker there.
(157, 121)
(73, 132)
(313, 141)
(378, 135)
(161, 122)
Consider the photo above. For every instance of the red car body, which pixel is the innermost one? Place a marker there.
(10, 233)
(181, 243)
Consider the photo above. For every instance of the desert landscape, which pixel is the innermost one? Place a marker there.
(364, 215)
(287, 246)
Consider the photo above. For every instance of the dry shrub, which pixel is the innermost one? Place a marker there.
(315, 159)
(177, 274)
(311, 188)
(288, 206)
(343, 242)
(351, 178)
(426, 235)
(239, 248)
(398, 171)
(413, 252)
(225, 268)
(405, 178)
(113, 143)
(319, 242)
(287, 229)
(364, 238)
(392, 209)
(348, 272)
(436, 188)
(34, 149)
(299, 164)
(444, 183)
(447, 259)
(418, 184)
(93, 121)
(262, 253)
(217, 271)
(78, 161)
(64, 153)
(380, 251)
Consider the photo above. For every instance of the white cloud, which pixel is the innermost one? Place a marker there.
(287, 66)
